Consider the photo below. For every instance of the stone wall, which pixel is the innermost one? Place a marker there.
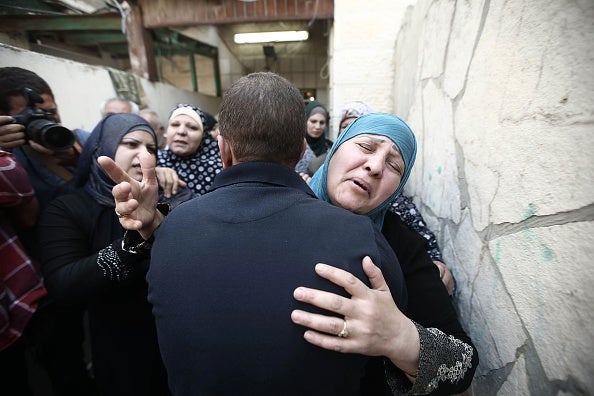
(501, 97)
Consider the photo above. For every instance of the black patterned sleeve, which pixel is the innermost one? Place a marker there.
(445, 363)
(117, 263)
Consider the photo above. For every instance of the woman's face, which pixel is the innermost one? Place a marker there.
(363, 172)
(129, 149)
(316, 124)
(183, 135)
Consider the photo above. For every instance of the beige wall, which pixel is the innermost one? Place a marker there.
(500, 96)
(80, 88)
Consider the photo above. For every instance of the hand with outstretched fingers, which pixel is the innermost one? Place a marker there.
(375, 325)
(136, 202)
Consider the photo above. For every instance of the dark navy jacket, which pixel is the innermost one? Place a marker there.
(223, 270)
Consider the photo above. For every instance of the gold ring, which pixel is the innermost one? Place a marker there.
(344, 333)
(119, 214)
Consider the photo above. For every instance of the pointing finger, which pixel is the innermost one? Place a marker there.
(112, 169)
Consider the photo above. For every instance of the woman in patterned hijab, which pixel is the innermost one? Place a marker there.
(191, 151)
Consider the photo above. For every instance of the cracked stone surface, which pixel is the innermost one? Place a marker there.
(547, 275)
(499, 95)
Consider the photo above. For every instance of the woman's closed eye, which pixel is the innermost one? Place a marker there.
(395, 166)
(365, 147)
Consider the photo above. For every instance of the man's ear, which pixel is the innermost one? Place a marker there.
(226, 153)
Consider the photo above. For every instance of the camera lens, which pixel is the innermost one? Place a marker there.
(51, 135)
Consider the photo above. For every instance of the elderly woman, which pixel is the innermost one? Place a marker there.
(364, 171)
(191, 151)
(84, 262)
(402, 205)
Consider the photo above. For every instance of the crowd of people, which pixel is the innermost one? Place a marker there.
(216, 255)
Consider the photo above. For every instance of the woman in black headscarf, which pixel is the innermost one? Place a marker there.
(83, 262)
(317, 124)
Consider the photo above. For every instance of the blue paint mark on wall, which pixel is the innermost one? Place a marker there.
(546, 254)
(531, 211)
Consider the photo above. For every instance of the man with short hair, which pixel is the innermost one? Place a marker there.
(50, 172)
(224, 265)
(118, 105)
(55, 333)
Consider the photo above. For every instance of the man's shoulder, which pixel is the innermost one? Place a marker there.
(326, 209)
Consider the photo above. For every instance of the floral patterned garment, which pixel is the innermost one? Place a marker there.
(405, 208)
(198, 170)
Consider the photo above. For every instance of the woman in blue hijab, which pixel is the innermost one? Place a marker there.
(426, 350)
(404, 146)
(83, 262)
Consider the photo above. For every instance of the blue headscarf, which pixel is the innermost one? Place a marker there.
(104, 140)
(375, 124)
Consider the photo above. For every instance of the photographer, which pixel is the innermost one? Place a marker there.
(50, 171)
(55, 334)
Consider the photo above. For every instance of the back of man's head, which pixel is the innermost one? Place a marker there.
(262, 119)
(12, 82)
(153, 118)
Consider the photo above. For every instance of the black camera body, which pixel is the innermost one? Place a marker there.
(41, 126)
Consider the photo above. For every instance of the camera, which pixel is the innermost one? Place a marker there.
(41, 126)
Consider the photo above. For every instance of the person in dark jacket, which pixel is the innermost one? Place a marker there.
(222, 302)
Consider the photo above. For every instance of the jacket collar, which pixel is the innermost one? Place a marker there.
(261, 172)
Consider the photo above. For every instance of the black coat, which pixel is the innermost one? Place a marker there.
(72, 231)
(223, 270)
